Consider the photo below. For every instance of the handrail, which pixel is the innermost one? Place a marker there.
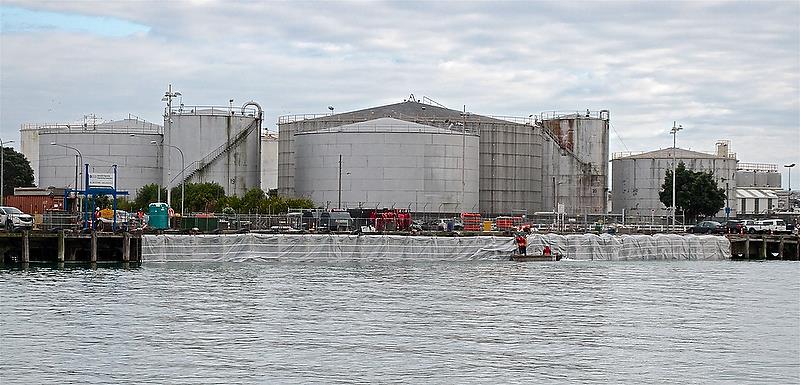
(212, 156)
(216, 110)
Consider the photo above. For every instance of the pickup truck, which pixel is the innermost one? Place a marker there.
(775, 226)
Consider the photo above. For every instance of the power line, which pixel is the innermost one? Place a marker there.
(619, 137)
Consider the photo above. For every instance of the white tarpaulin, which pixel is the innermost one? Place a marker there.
(307, 247)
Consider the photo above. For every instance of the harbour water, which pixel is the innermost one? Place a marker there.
(400, 321)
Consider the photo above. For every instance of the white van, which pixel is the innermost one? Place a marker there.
(775, 226)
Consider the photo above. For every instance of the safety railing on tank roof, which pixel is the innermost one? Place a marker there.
(517, 119)
(766, 167)
(392, 128)
(214, 110)
(150, 128)
(299, 117)
(625, 154)
(585, 114)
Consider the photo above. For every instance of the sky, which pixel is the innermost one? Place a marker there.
(723, 70)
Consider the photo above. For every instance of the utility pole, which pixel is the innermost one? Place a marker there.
(674, 132)
(340, 182)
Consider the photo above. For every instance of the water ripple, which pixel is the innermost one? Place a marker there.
(428, 322)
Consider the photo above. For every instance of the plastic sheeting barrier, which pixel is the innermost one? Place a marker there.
(313, 247)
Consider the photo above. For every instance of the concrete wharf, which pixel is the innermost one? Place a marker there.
(70, 247)
(765, 247)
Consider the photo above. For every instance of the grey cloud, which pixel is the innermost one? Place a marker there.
(724, 68)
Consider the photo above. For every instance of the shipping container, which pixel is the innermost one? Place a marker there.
(35, 204)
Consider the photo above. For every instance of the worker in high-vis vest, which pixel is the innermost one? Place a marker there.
(522, 243)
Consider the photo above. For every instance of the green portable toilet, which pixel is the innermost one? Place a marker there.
(159, 216)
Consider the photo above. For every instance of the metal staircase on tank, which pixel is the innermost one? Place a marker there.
(200, 165)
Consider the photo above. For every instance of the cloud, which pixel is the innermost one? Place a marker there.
(725, 70)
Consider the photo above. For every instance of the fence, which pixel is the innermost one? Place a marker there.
(543, 222)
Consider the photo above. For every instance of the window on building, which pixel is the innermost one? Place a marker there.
(769, 204)
(744, 205)
(755, 209)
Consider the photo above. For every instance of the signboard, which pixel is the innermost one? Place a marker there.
(101, 180)
(561, 208)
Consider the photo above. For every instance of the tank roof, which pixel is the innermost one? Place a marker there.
(408, 111)
(667, 153)
(387, 125)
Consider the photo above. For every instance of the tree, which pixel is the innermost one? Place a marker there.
(202, 197)
(696, 193)
(17, 171)
(146, 195)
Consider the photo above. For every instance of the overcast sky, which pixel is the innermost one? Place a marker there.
(723, 70)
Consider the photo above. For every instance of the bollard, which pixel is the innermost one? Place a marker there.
(126, 247)
(94, 247)
(61, 245)
(26, 246)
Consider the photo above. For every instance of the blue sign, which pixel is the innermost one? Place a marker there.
(727, 210)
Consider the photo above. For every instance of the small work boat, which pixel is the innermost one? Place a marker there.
(535, 258)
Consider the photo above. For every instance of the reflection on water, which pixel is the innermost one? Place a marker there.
(432, 322)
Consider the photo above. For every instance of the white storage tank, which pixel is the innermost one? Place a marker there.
(219, 144)
(125, 143)
(387, 162)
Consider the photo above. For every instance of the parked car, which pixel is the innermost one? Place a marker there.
(733, 226)
(335, 221)
(13, 218)
(706, 227)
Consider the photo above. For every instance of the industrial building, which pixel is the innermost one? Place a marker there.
(759, 189)
(637, 177)
(428, 158)
(196, 144)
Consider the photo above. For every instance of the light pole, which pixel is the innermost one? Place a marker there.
(789, 167)
(340, 182)
(76, 163)
(183, 168)
(674, 132)
(168, 96)
(2, 168)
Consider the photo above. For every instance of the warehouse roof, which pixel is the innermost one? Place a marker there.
(757, 193)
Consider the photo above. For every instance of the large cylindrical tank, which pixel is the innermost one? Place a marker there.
(387, 162)
(269, 162)
(576, 155)
(125, 143)
(638, 178)
(219, 144)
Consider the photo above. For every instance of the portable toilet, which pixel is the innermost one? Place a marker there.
(159, 216)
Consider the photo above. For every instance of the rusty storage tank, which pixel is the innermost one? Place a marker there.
(575, 161)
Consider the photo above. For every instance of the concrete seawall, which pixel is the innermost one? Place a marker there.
(316, 247)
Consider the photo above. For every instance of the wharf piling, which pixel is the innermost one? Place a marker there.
(66, 247)
(765, 247)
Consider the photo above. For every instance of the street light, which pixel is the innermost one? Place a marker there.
(168, 96)
(789, 167)
(674, 132)
(183, 168)
(76, 163)
(2, 167)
